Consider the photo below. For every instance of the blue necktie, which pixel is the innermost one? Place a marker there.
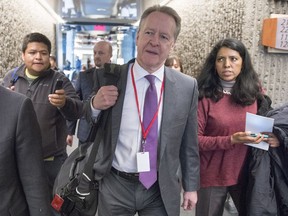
(150, 108)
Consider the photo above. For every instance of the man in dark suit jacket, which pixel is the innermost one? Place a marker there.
(119, 165)
(84, 87)
(23, 186)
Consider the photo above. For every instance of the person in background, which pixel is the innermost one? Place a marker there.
(152, 187)
(229, 87)
(84, 87)
(37, 80)
(23, 184)
(83, 68)
(53, 63)
(78, 64)
(174, 62)
(89, 65)
(102, 53)
(67, 65)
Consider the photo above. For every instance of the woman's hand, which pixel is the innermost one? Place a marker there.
(245, 137)
(272, 140)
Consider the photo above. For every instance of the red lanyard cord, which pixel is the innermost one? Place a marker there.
(145, 132)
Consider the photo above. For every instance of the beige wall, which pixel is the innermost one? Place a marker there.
(17, 19)
(204, 23)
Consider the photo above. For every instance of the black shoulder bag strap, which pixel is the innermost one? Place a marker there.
(112, 74)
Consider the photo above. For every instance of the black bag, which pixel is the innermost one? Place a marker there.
(75, 190)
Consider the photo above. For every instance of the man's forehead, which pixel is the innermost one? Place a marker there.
(36, 45)
(100, 46)
(150, 21)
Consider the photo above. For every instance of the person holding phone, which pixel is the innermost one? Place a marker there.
(53, 101)
(228, 88)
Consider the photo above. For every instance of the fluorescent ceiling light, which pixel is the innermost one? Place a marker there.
(101, 9)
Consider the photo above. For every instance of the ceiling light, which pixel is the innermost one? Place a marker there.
(101, 9)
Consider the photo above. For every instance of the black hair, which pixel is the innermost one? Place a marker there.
(247, 87)
(36, 37)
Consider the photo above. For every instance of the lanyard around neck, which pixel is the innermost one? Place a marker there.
(145, 132)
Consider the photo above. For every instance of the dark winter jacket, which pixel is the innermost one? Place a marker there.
(268, 172)
(52, 120)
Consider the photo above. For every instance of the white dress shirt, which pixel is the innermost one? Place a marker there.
(130, 134)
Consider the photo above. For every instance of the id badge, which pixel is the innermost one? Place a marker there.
(143, 162)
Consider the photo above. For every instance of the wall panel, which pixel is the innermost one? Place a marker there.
(204, 22)
(17, 19)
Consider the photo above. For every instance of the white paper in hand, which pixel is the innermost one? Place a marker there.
(258, 124)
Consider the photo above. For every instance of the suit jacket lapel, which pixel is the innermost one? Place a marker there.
(117, 109)
(168, 108)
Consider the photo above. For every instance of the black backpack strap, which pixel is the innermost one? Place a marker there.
(112, 74)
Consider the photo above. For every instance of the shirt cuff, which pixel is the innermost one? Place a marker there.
(94, 112)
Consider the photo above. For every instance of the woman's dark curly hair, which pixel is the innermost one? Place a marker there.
(247, 86)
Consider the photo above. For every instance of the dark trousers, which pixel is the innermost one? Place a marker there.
(123, 197)
(211, 200)
(52, 168)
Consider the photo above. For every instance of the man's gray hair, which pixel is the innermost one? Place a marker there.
(163, 9)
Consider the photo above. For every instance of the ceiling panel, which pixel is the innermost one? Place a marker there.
(100, 11)
(101, 8)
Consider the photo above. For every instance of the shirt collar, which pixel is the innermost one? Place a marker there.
(30, 76)
(140, 72)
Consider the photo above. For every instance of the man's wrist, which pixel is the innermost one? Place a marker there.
(94, 112)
